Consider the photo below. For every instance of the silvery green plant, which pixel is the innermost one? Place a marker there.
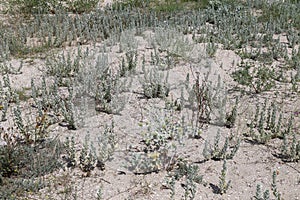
(266, 125)
(266, 195)
(260, 79)
(231, 117)
(219, 101)
(65, 65)
(128, 42)
(217, 153)
(155, 83)
(162, 136)
(100, 82)
(175, 104)
(200, 99)
(211, 49)
(261, 196)
(71, 152)
(9, 93)
(274, 188)
(190, 175)
(18, 120)
(223, 184)
(7, 68)
(106, 146)
(87, 158)
(290, 152)
(164, 130)
(129, 65)
(4, 109)
(171, 40)
(68, 112)
(100, 193)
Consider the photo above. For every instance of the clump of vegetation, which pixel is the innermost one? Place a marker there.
(28, 7)
(190, 175)
(160, 142)
(223, 184)
(290, 151)
(217, 153)
(257, 79)
(21, 164)
(266, 124)
(92, 154)
(266, 194)
(155, 85)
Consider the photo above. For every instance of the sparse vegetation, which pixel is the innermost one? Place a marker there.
(136, 89)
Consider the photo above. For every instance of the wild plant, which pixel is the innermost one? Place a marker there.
(266, 194)
(4, 110)
(170, 182)
(261, 196)
(108, 93)
(23, 163)
(266, 125)
(191, 176)
(223, 184)
(87, 158)
(175, 104)
(68, 112)
(290, 152)
(170, 40)
(211, 49)
(100, 82)
(65, 65)
(6, 68)
(100, 193)
(106, 144)
(217, 153)
(82, 6)
(128, 42)
(128, 67)
(260, 80)
(274, 188)
(160, 140)
(71, 151)
(18, 120)
(200, 99)
(231, 118)
(9, 93)
(153, 84)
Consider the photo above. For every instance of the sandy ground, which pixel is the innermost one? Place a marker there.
(252, 165)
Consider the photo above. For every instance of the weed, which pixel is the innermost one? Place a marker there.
(128, 67)
(259, 195)
(231, 118)
(21, 164)
(191, 176)
(87, 158)
(260, 80)
(265, 123)
(160, 144)
(106, 144)
(223, 185)
(216, 153)
(276, 194)
(70, 148)
(266, 194)
(200, 98)
(290, 152)
(153, 84)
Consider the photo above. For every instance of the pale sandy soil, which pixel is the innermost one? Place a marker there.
(253, 163)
